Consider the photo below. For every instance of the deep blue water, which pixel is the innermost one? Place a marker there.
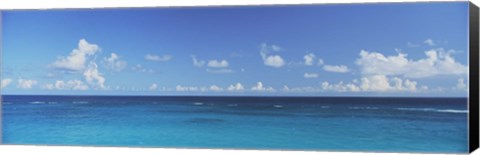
(275, 123)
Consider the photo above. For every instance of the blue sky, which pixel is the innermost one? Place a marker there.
(397, 49)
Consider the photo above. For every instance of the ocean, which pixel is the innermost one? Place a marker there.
(376, 124)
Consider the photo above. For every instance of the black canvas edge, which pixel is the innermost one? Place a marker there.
(473, 100)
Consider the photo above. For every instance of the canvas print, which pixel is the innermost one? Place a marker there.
(378, 77)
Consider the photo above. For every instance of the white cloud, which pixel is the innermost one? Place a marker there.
(410, 44)
(140, 68)
(220, 71)
(216, 88)
(76, 85)
(274, 61)
(270, 89)
(69, 85)
(197, 63)
(236, 87)
(339, 87)
(310, 75)
(216, 66)
(320, 62)
(338, 69)
(276, 48)
(26, 84)
(157, 58)
(48, 86)
(185, 88)
(461, 84)
(375, 83)
(309, 59)
(6, 82)
(306, 89)
(438, 62)
(153, 87)
(259, 87)
(217, 63)
(93, 76)
(75, 61)
(429, 42)
(269, 59)
(381, 83)
(114, 63)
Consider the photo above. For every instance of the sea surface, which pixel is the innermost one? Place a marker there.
(427, 125)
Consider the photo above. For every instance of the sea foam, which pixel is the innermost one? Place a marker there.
(434, 110)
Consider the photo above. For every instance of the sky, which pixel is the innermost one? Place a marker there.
(386, 49)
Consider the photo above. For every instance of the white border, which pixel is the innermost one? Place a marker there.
(75, 150)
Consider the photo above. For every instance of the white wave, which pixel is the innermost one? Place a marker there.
(324, 107)
(453, 111)
(37, 102)
(368, 108)
(278, 106)
(434, 110)
(7, 103)
(198, 103)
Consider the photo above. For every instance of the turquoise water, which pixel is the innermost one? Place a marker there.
(274, 123)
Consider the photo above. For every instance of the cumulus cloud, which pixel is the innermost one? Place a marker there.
(310, 75)
(305, 89)
(25, 84)
(259, 87)
(236, 87)
(93, 76)
(186, 88)
(381, 83)
(69, 85)
(437, 62)
(271, 59)
(76, 60)
(215, 66)
(152, 57)
(114, 63)
(374, 83)
(429, 42)
(215, 88)
(309, 59)
(337, 69)
(217, 63)
(339, 87)
(153, 87)
(196, 62)
(461, 84)
(140, 68)
(48, 86)
(6, 82)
